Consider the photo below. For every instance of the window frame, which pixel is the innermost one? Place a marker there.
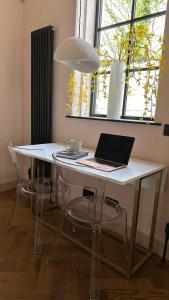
(98, 30)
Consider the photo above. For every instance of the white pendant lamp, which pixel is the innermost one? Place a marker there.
(77, 54)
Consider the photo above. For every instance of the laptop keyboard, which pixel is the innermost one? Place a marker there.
(105, 162)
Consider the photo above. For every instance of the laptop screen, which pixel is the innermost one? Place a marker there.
(115, 148)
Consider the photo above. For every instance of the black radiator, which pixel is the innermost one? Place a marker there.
(42, 41)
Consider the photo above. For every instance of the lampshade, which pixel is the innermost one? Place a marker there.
(77, 54)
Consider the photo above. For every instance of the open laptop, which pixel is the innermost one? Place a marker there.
(112, 152)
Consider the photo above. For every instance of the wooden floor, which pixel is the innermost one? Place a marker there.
(24, 276)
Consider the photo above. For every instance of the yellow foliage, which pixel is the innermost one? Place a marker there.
(136, 49)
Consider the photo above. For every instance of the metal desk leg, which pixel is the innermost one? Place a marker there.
(32, 178)
(134, 227)
(155, 210)
(132, 269)
(32, 168)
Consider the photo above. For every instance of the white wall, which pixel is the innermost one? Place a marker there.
(11, 96)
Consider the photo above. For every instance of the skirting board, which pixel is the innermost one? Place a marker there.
(7, 186)
(143, 240)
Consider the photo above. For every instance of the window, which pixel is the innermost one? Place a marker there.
(125, 22)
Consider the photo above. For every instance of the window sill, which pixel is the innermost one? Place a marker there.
(118, 121)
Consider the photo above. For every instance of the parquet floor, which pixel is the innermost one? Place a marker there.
(24, 276)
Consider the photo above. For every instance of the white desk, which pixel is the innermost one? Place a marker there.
(135, 172)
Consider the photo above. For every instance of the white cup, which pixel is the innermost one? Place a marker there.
(73, 146)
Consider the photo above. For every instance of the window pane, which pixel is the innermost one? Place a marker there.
(102, 94)
(115, 11)
(114, 42)
(139, 45)
(146, 48)
(147, 7)
(139, 83)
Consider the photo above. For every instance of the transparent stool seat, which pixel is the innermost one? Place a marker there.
(31, 188)
(81, 209)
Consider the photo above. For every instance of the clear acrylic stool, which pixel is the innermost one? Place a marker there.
(37, 190)
(89, 212)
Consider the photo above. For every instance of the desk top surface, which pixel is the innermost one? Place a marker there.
(135, 170)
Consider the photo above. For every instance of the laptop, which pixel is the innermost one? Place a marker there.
(112, 152)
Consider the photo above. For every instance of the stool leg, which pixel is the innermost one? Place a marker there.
(14, 208)
(50, 260)
(95, 264)
(38, 225)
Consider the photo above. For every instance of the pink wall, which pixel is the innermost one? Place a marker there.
(37, 14)
(150, 144)
(11, 96)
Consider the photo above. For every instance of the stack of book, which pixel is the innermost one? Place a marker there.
(70, 155)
